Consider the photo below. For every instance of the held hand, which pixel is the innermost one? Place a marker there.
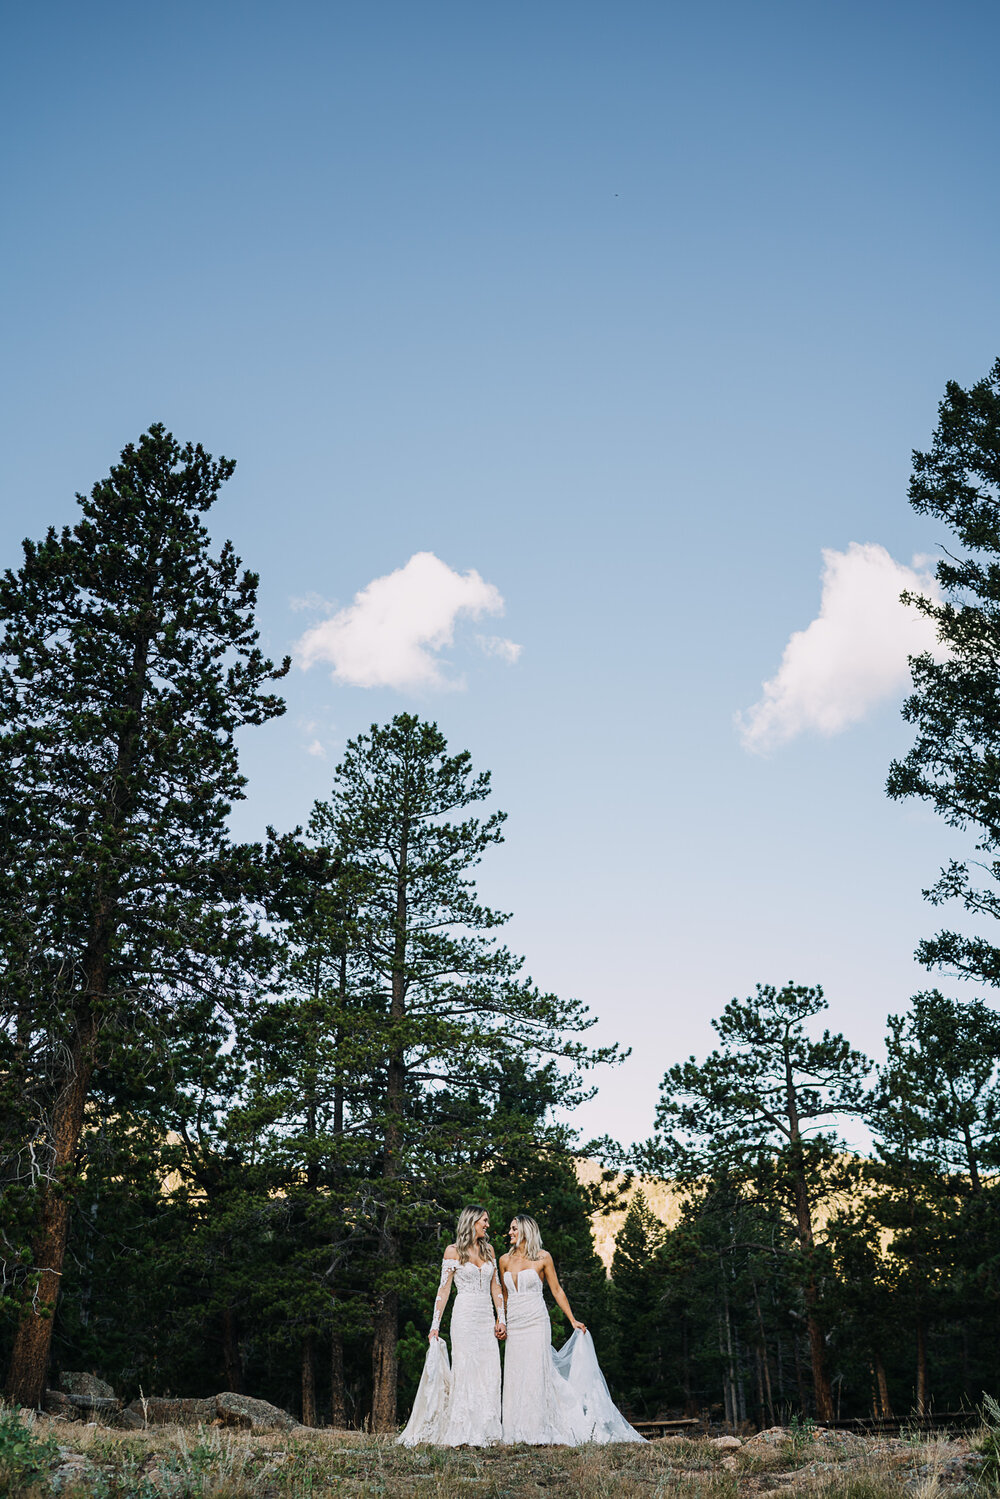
(500, 1331)
(580, 1326)
(431, 1336)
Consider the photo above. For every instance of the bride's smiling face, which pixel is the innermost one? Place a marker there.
(481, 1227)
(514, 1233)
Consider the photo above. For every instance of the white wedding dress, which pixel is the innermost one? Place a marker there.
(553, 1398)
(459, 1404)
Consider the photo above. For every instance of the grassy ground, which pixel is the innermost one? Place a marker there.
(91, 1462)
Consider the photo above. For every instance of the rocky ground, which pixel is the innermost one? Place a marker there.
(219, 1460)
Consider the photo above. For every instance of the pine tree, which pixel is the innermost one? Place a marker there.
(944, 1056)
(954, 763)
(299, 1107)
(766, 1102)
(445, 1012)
(638, 1280)
(128, 661)
(934, 1113)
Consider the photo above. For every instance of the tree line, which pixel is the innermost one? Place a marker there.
(803, 1275)
(245, 1087)
(246, 1078)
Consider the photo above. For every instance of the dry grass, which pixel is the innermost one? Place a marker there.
(219, 1463)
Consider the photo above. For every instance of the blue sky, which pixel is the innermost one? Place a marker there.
(634, 310)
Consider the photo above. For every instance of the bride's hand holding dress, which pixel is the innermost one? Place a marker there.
(459, 1403)
(550, 1397)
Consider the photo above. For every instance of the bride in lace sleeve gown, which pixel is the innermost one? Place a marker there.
(549, 1397)
(458, 1404)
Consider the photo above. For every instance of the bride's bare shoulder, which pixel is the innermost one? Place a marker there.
(451, 1253)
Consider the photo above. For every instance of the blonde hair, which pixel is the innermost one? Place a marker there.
(530, 1242)
(465, 1233)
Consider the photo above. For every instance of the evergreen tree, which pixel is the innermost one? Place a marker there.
(934, 1113)
(765, 1102)
(639, 1293)
(128, 660)
(943, 1063)
(865, 1300)
(446, 1012)
(955, 705)
(300, 1107)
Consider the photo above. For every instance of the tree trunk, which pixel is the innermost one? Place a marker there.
(762, 1354)
(386, 1321)
(803, 1213)
(800, 1383)
(33, 1339)
(884, 1405)
(309, 1416)
(232, 1359)
(727, 1393)
(384, 1362)
(817, 1354)
(338, 1391)
(689, 1406)
(921, 1367)
(738, 1384)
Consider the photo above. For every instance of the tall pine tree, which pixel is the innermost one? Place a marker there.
(128, 661)
(446, 1015)
(954, 763)
(767, 1099)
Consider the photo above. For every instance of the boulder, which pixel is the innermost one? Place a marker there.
(56, 1403)
(848, 1441)
(156, 1411)
(85, 1384)
(726, 1444)
(252, 1415)
(73, 1467)
(766, 1441)
(127, 1420)
(103, 1407)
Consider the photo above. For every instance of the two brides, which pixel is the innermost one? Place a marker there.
(549, 1397)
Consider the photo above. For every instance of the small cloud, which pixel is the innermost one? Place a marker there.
(852, 656)
(391, 634)
(310, 603)
(316, 748)
(496, 645)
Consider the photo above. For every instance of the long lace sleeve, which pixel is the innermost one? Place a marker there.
(496, 1290)
(448, 1268)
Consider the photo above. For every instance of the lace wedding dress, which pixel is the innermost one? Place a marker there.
(549, 1397)
(459, 1404)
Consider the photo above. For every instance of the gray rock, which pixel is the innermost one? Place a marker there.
(55, 1403)
(156, 1411)
(127, 1420)
(772, 1437)
(252, 1415)
(73, 1467)
(105, 1406)
(85, 1384)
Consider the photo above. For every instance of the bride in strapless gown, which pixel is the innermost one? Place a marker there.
(458, 1404)
(549, 1397)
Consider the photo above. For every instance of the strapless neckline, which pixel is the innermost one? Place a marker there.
(515, 1281)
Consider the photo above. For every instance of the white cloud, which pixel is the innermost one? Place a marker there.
(496, 645)
(309, 603)
(316, 748)
(852, 656)
(391, 633)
